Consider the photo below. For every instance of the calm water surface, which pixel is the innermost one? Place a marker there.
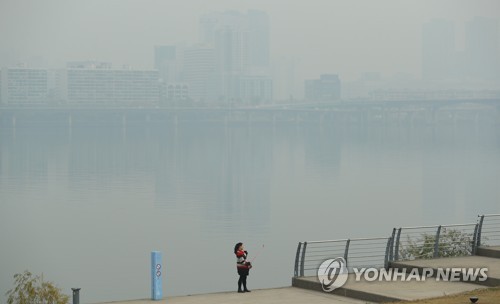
(87, 205)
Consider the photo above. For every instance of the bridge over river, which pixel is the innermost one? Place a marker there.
(365, 112)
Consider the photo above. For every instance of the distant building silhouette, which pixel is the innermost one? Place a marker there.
(326, 88)
(166, 62)
(23, 86)
(481, 48)
(199, 72)
(100, 84)
(438, 50)
(240, 43)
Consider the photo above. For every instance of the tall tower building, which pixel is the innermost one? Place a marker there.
(258, 38)
(481, 48)
(438, 50)
(240, 43)
(166, 62)
(199, 72)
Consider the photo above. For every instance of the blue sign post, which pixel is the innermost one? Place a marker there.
(156, 276)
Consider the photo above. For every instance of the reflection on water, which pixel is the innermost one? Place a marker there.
(85, 206)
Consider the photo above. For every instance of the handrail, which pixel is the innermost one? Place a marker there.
(343, 240)
(379, 256)
(483, 234)
(436, 226)
(436, 243)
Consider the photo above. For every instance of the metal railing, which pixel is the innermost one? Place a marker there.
(426, 242)
(360, 252)
(489, 230)
(405, 243)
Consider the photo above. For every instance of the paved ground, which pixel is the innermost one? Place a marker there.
(492, 264)
(285, 295)
(413, 290)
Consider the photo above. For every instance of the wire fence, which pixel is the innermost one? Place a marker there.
(427, 242)
(405, 243)
(489, 230)
(358, 253)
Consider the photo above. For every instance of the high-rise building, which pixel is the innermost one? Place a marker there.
(166, 62)
(199, 72)
(97, 83)
(255, 89)
(24, 86)
(326, 88)
(482, 48)
(230, 59)
(240, 43)
(438, 50)
(258, 38)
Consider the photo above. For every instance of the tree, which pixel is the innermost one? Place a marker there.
(452, 243)
(31, 289)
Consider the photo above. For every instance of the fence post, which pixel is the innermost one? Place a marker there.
(436, 243)
(387, 252)
(479, 230)
(474, 240)
(296, 268)
(346, 252)
(396, 258)
(303, 258)
(391, 250)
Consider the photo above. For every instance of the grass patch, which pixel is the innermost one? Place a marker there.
(486, 296)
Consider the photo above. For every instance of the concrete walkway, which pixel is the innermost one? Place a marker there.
(493, 265)
(384, 291)
(285, 295)
(360, 292)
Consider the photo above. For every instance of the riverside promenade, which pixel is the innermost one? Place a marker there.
(477, 245)
(308, 290)
(361, 292)
(285, 295)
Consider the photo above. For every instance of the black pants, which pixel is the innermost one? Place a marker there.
(242, 281)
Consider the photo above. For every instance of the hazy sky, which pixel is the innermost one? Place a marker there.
(348, 37)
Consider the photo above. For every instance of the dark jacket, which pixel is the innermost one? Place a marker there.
(241, 262)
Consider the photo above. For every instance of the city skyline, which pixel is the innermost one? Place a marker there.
(379, 37)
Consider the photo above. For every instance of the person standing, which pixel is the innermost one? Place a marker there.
(242, 265)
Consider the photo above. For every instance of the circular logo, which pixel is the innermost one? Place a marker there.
(333, 274)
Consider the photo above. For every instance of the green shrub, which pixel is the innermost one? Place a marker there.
(452, 243)
(30, 289)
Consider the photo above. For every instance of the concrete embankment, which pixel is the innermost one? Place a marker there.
(285, 295)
